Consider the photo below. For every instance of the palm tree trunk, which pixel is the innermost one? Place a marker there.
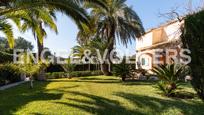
(41, 76)
(106, 67)
(40, 49)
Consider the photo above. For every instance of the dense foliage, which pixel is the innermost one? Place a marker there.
(20, 43)
(5, 57)
(9, 73)
(193, 39)
(56, 75)
(123, 70)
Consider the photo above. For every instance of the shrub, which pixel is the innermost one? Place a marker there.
(85, 73)
(56, 75)
(169, 76)
(9, 73)
(93, 73)
(75, 74)
(193, 39)
(123, 70)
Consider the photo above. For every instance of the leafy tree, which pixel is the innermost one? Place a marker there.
(20, 43)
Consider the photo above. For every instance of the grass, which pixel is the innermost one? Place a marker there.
(94, 95)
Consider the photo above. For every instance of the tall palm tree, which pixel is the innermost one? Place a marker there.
(36, 20)
(116, 21)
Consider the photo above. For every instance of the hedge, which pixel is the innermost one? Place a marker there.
(57, 75)
(193, 39)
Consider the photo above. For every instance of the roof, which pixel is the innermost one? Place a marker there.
(164, 25)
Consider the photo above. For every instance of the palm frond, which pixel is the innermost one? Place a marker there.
(6, 28)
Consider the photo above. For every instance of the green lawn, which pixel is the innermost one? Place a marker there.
(93, 95)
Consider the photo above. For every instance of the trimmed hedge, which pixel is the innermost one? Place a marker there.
(57, 75)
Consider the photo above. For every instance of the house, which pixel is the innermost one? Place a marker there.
(155, 45)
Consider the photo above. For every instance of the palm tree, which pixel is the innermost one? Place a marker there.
(35, 20)
(88, 32)
(100, 45)
(116, 20)
(93, 46)
(71, 8)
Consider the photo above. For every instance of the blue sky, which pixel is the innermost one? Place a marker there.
(148, 10)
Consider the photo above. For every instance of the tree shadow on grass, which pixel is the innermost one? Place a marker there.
(98, 105)
(13, 99)
(155, 105)
(144, 105)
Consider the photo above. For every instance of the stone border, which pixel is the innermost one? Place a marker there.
(11, 85)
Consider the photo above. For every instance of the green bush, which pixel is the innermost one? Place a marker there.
(85, 73)
(57, 75)
(193, 39)
(123, 70)
(9, 73)
(95, 73)
(75, 74)
(169, 76)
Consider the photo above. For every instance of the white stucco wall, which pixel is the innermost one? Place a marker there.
(173, 31)
(145, 41)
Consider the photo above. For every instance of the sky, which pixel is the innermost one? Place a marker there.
(148, 11)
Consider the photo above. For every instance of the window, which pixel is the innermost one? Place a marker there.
(145, 61)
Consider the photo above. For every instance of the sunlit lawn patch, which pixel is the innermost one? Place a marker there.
(94, 95)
